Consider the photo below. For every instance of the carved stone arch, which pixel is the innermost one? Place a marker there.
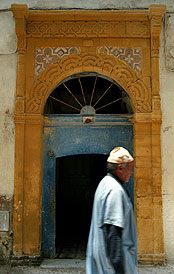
(99, 43)
(104, 64)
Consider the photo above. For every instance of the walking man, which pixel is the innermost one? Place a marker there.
(112, 243)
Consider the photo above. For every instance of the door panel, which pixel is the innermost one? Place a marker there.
(76, 139)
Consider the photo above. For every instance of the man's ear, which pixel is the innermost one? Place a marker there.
(119, 167)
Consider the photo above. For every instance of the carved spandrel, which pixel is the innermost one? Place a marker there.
(46, 56)
(130, 56)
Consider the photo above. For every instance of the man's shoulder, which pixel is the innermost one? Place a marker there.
(110, 183)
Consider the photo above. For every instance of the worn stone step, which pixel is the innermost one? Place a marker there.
(65, 266)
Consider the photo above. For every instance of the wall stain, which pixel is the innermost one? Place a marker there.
(8, 126)
(167, 129)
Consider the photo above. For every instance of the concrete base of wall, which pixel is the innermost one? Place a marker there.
(144, 259)
(26, 260)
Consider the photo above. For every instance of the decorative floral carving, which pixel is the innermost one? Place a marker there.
(136, 88)
(46, 56)
(19, 106)
(131, 57)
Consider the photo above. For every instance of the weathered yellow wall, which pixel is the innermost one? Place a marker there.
(92, 55)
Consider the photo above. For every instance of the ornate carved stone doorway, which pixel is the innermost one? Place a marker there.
(122, 45)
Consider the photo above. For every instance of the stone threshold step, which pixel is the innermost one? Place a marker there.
(63, 263)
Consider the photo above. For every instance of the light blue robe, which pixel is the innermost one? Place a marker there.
(111, 206)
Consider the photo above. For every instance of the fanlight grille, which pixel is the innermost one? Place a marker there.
(102, 95)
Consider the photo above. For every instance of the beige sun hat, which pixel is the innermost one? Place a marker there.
(120, 155)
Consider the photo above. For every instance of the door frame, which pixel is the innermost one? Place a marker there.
(88, 46)
(102, 140)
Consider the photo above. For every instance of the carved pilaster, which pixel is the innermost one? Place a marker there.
(20, 13)
(156, 13)
(156, 109)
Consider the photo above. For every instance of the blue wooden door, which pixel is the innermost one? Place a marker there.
(66, 135)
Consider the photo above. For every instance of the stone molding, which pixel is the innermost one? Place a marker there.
(88, 29)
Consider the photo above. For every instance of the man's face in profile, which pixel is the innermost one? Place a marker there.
(125, 173)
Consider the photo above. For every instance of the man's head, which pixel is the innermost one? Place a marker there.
(120, 163)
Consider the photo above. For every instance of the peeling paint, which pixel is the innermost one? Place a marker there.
(6, 204)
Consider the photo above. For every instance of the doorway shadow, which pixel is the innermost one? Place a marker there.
(77, 178)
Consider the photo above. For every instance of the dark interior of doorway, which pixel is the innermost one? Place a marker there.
(77, 178)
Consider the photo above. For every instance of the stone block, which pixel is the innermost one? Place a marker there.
(145, 236)
(156, 129)
(146, 65)
(155, 76)
(143, 173)
(144, 188)
(156, 181)
(156, 161)
(157, 203)
(142, 129)
(156, 140)
(140, 140)
(145, 207)
(156, 152)
(142, 150)
(143, 162)
(158, 225)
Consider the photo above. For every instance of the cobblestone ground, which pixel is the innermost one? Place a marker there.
(168, 269)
